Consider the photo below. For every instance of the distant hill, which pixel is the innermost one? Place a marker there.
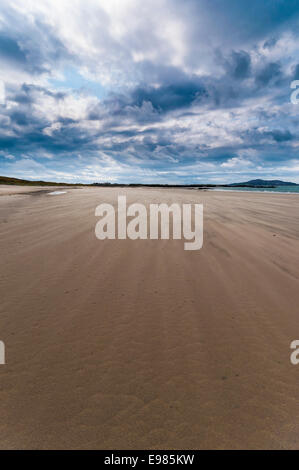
(264, 183)
(17, 181)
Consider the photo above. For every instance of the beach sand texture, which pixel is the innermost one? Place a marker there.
(122, 344)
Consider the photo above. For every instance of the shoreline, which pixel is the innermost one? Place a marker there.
(252, 191)
(23, 189)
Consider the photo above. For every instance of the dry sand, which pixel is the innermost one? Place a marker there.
(140, 344)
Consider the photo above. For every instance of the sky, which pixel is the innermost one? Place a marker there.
(160, 91)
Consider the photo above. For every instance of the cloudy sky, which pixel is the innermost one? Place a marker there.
(150, 91)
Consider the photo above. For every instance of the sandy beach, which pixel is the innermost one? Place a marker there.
(122, 344)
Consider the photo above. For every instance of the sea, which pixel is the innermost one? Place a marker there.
(277, 189)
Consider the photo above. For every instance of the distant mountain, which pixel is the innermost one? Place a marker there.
(264, 183)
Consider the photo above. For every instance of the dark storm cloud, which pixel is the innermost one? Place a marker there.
(10, 49)
(281, 135)
(244, 20)
(269, 137)
(296, 72)
(170, 97)
(270, 73)
(238, 65)
(27, 94)
(31, 46)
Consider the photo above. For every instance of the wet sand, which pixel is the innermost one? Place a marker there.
(139, 344)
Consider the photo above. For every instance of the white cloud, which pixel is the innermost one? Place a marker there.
(235, 162)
